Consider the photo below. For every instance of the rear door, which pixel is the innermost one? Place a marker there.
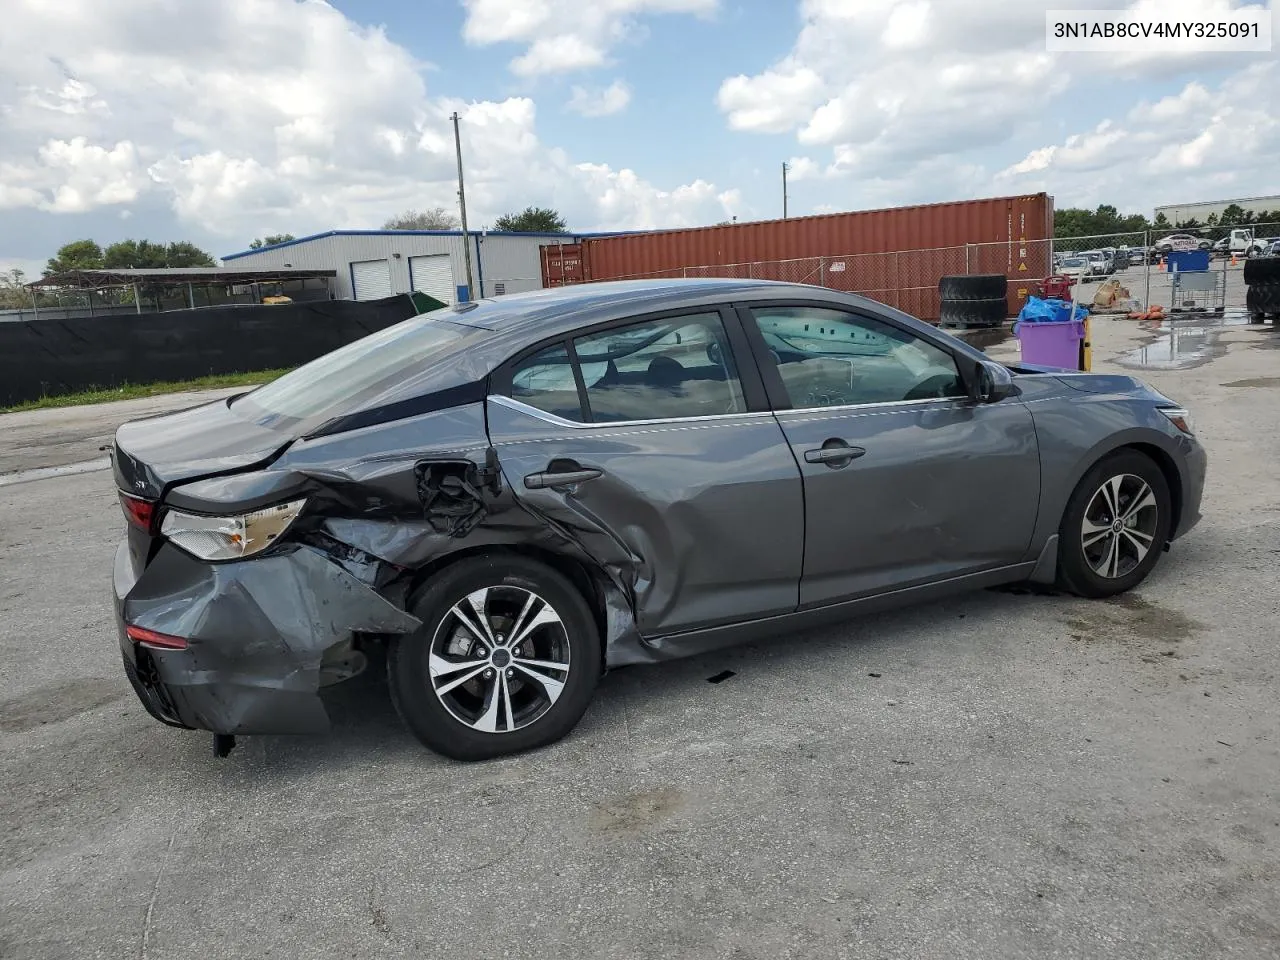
(646, 443)
(906, 481)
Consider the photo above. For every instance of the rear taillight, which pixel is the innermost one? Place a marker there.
(149, 638)
(140, 513)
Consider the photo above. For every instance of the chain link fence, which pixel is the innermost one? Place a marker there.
(908, 279)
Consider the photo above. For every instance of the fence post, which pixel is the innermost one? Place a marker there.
(966, 258)
(34, 306)
(1146, 238)
(822, 271)
(137, 300)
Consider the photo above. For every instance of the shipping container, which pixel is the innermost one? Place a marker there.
(896, 255)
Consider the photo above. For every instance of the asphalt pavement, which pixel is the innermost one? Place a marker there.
(1001, 775)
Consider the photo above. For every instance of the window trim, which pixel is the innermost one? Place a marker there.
(754, 392)
(772, 379)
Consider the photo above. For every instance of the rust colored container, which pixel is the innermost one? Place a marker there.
(1002, 220)
(896, 255)
(561, 264)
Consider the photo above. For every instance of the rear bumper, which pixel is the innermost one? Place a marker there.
(262, 637)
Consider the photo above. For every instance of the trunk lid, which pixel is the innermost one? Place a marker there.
(152, 454)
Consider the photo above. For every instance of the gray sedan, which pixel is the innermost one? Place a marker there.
(509, 497)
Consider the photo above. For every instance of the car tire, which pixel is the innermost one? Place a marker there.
(979, 286)
(1261, 270)
(1095, 559)
(973, 313)
(472, 719)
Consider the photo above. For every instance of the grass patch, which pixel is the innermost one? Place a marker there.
(131, 391)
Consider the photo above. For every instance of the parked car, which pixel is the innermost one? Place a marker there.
(1138, 255)
(513, 495)
(1097, 263)
(1077, 267)
(1182, 242)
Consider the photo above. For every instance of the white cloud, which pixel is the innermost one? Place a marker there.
(890, 86)
(199, 107)
(770, 102)
(562, 36)
(1198, 143)
(600, 102)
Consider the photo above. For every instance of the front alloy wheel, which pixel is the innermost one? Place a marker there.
(506, 659)
(1119, 526)
(1115, 527)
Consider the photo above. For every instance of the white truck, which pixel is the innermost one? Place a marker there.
(1242, 242)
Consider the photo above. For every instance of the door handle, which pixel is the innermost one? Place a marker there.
(834, 453)
(560, 478)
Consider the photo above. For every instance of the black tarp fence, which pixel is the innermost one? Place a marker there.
(48, 357)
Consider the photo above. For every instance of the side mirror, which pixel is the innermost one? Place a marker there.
(992, 382)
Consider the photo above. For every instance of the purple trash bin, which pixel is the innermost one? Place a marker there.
(1051, 344)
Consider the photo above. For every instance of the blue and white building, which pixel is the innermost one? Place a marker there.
(379, 263)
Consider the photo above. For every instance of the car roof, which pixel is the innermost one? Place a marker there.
(544, 314)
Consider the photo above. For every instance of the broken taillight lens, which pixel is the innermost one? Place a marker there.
(150, 638)
(139, 512)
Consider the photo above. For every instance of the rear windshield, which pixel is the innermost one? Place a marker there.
(418, 356)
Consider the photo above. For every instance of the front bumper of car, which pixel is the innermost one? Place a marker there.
(262, 636)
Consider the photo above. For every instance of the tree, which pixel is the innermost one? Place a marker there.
(1161, 222)
(437, 218)
(13, 295)
(146, 255)
(184, 254)
(1232, 215)
(271, 239)
(531, 220)
(76, 255)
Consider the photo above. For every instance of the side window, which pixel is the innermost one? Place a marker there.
(830, 358)
(660, 369)
(545, 380)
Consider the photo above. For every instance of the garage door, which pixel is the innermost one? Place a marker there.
(433, 276)
(371, 279)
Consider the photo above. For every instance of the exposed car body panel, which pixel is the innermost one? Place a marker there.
(260, 635)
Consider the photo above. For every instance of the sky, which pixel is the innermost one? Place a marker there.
(217, 121)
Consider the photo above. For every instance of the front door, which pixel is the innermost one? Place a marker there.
(906, 480)
(639, 443)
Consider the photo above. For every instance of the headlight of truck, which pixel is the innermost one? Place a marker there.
(229, 538)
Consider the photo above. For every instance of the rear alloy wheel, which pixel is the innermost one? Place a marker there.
(506, 660)
(1115, 527)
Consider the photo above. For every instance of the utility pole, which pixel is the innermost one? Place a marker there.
(784, 190)
(462, 206)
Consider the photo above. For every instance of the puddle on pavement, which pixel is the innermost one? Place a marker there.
(1183, 340)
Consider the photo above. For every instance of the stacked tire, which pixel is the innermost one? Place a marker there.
(976, 300)
(1262, 280)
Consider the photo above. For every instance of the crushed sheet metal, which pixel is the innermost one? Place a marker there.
(259, 633)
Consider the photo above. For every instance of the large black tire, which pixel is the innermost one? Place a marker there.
(978, 286)
(410, 664)
(1262, 270)
(1076, 568)
(1263, 299)
(973, 313)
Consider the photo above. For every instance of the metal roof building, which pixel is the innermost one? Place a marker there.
(1201, 211)
(372, 264)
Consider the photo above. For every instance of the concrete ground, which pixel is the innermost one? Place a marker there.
(996, 776)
